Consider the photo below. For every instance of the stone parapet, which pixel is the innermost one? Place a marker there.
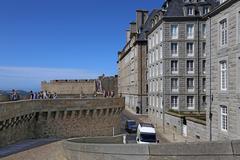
(62, 118)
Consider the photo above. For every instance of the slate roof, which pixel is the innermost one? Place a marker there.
(175, 7)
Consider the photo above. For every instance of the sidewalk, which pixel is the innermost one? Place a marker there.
(165, 137)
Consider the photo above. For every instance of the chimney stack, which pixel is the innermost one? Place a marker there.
(133, 28)
(142, 16)
(128, 35)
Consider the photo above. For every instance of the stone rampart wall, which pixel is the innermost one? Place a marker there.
(79, 87)
(63, 118)
(229, 150)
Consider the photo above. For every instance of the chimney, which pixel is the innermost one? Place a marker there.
(128, 35)
(133, 28)
(142, 16)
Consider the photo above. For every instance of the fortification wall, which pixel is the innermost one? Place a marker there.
(70, 87)
(62, 118)
(177, 151)
(109, 148)
(110, 84)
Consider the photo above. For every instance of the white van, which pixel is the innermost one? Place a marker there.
(146, 134)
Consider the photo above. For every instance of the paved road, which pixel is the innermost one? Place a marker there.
(130, 137)
(25, 145)
(139, 118)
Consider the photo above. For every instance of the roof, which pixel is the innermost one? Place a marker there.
(146, 128)
(147, 26)
(174, 8)
(221, 7)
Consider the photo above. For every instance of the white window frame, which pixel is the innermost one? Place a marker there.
(190, 31)
(204, 30)
(205, 10)
(174, 31)
(223, 32)
(238, 26)
(172, 48)
(204, 84)
(177, 85)
(224, 118)
(222, 1)
(161, 68)
(174, 102)
(161, 34)
(191, 105)
(204, 66)
(190, 54)
(174, 67)
(223, 75)
(188, 87)
(188, 67)
(190, 11)
(204, 49)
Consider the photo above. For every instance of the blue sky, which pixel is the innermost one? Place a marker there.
(62, 39)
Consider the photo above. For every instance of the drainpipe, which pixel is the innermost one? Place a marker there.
(210, 80)
(199, 109)
(141, 79)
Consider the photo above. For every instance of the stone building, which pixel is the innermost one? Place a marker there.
(223, 73)
(84, 87)
(132, 68)
(177, 64)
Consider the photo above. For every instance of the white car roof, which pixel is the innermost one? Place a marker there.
(146, 128)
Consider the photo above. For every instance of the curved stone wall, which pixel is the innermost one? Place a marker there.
(63, 118)
(176, 151)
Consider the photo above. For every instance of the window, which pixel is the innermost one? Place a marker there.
(204, 84)
(156, 38)
(174, 31)
(161, 102)
(174, 84)
(174, 49)
(190, 84)
(157, 55)
(149, 43)
(174, 67)
(190, 67)
(204, 66)
(223, 80)
(174, 102)
(160, 52)
(161, 68)
(222, 1)
(161, 35)
(190, 11)
(190, 49)
(190, 102)
(161, 85)
(238, 30)
(224, 118)
(204, 100)
(190, 31)
(204, 30)
(205, 10)
(204, 49)
(223, 32)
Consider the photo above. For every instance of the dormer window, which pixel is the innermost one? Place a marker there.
(190, 11)
(205, 10)
(153, 23)
(222, 1)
